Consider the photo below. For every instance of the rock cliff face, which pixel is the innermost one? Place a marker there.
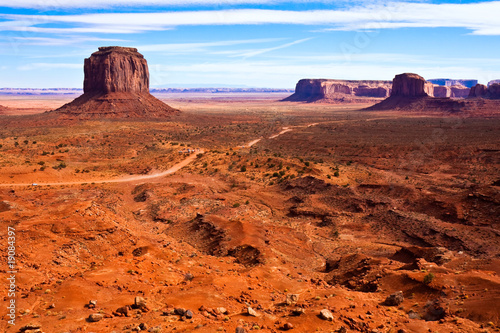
(116, 85)
(459, 91)
(411, 85)
(482, 91)
(442, 91)
(116, 69)
(311, 90)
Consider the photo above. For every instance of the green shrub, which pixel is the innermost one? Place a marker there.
(428, 278)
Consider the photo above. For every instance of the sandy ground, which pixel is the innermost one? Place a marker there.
(290, 210)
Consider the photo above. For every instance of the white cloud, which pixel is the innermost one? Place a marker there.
(68, 40)
(55, 4)
(44, 65)
(480, 18)
(198, 47)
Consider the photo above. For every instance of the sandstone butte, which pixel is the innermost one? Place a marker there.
(116, 85)
(492, 91)
(411, 92)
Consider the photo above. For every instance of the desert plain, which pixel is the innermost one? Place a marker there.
(246, 213)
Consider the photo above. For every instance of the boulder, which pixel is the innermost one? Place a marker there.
(116, 85)
(325, 314)
(394, 299)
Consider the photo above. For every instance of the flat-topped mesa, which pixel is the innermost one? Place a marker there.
(116, 85)
(116, 69)
(312, 90)
(411, 85)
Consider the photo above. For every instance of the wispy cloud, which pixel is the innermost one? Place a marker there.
(67, 40)
(37, 4)
(253, 53)
(480, 18)
(200, 47)
(43, 65)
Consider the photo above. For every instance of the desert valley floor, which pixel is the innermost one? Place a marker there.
(253, 213)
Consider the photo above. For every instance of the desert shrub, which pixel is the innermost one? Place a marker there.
(336, 173)
(243, 169)
(236, 205)
(428, 278)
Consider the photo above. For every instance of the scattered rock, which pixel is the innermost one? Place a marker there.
(298, 311)
(188, 314)
(240, 330)
(435, 311)
(325, 314)
(288, 326)
(342, 329)
(123, 311)
(92, 304)
(95, 317)
(30, 327)
(143, 326)
(252, 312)
(222, 310)
(394, 299)
(139, 302)
(292, 298)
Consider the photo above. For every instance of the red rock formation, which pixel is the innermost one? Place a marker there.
(412, 92)
(459, 91)
(410, 85)
(311, 90)
(442, 91)
(482, 91)
(116, 85)
(479, 90)
(116, 69)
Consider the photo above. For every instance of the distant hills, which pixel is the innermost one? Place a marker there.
(75, 91)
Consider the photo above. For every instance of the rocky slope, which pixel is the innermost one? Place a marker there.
(116, 85)
(312, 90)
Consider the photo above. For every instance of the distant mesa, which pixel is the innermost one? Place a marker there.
(492, 91)
(116, 85)
(325, 90)
(453, 82)
(493, 82)
(350, 91)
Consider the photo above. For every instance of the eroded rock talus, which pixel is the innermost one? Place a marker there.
(116, 85)
(312, 90)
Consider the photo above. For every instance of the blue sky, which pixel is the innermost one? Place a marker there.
(251, 42)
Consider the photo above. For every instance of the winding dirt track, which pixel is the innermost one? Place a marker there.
(171, 170)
